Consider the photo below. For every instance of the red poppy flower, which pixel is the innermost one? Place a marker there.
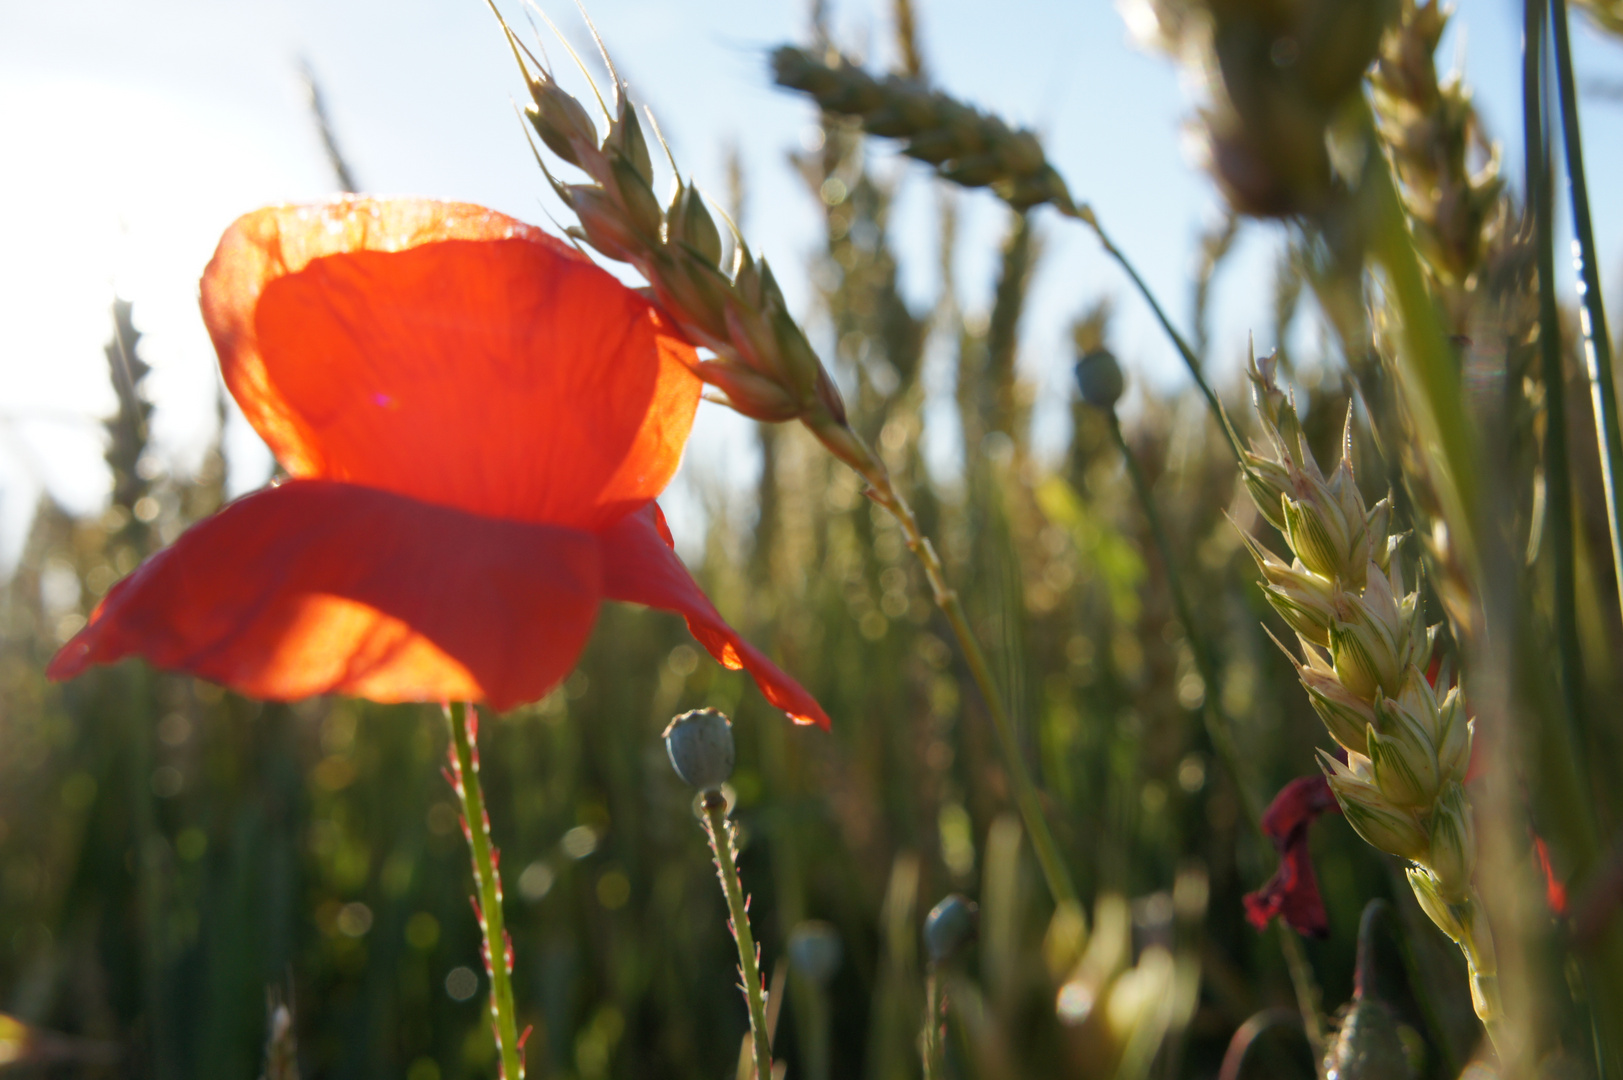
(475, 419)
(1293, 892)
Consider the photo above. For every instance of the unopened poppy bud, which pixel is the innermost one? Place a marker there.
(1452, 859)
(700, 745)
(950, 926)
(1385, 826)
(1099, 377)
(1368, 1046)
(815, 951)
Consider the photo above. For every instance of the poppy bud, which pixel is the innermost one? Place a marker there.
(1368, 1045)
(815, 950)
(700, 745)
(950, 926)
(1099, 378)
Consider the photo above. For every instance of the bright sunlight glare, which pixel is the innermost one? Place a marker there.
(112, 193)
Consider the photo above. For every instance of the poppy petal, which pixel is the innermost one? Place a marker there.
(315, 587)
(1292, 893)
(451, 354)
(640, 566)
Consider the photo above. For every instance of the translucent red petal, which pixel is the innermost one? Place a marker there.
(448, 353)
(640, 566)
(316, 587)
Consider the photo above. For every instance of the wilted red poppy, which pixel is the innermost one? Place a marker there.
(475, 419)
(1293, 892)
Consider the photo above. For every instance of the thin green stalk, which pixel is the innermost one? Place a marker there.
(1592, 309)
(1086, 215)
(464, 724)
(1557, 475)
(1026, 798)
(930, 1037)
(720, 831)
(1221, 732)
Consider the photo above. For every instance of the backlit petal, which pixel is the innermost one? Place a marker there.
(316, 587)
(449, 353)
(640, 566)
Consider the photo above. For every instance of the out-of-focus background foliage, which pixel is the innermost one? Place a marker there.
(176, 862)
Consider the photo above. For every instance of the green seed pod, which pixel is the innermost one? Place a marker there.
(1100, 379)
(700, 745)
(1368, 1046)
(815, 950)
(949, 927)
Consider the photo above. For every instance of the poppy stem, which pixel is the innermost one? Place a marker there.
(1026, 797)
(721, 835)
(464, 777)
(930, 1037)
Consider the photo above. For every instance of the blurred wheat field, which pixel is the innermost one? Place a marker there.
(180, 867)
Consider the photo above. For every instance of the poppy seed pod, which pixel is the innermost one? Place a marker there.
(949, 927)
(1099, 377)
(700, 745)
(815, 951)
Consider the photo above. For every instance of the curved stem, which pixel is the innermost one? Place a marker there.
(464, 777)
(720, 831)
(1086, 215)
(1027, 801)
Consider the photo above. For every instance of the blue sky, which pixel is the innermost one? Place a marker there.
(133, 134)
